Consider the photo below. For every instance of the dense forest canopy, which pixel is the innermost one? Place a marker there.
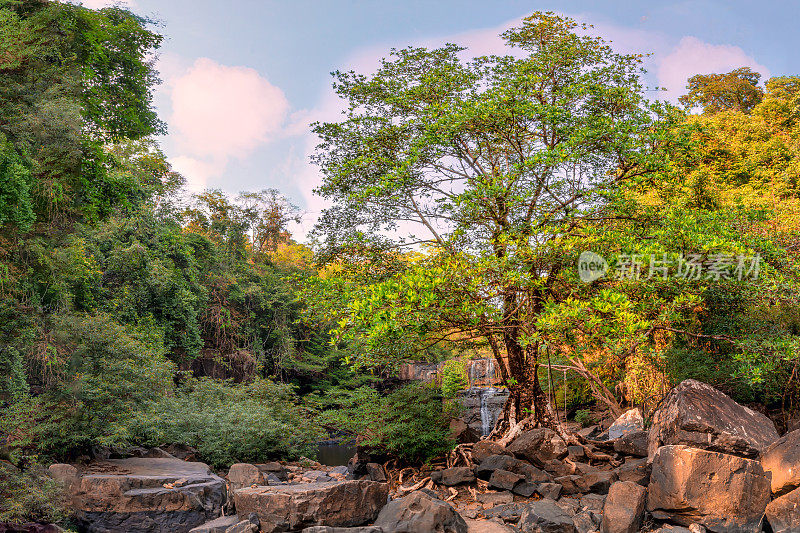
(463, 193)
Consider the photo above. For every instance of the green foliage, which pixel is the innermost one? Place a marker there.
(31, 496)
(230, 423)
(411, 423)
(735, 91)
(454, 377)
(584, 417)
(14, 386)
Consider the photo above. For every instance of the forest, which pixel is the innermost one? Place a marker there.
(464, 195)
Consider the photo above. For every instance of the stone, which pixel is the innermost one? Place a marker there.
(571, 506)
(783, 513)
(636, 470)
(462, 433)
(632, 443)
(274, 468)
(629, 421)
(782, 458)
(245, 526)
(484, 448)
(525, 489)
(218, 525)
(328, 529)
(558, 468)
(417, 513)
(590, 432)
(549, 490)
(318, 476)
(375, 472)
(493, 499)
(570, 484)
(672, 529)
(65, 474)
(593, 502)
(511, 464)
(624, 508)
(508, 513)
(576, 452)
(147, 495)
(538, 446)
(545, 516)
(598, 482)
(450, 477)
(183, 452)
(722, 492)
(339, 470)
(487, 526)
(331, 503)
(158, 453)
(244, 475)
(504, 480)
(700, 416)
(586, 521)
(272, 479)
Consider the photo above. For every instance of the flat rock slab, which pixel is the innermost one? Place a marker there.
(295, 507)
(147, 495)
(782, 459)
(486, 526)
(698, 415)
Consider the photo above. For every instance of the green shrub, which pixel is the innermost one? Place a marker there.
(30, 496)
(584, 417)
(454, 377)
(229, 423)
(411, 423)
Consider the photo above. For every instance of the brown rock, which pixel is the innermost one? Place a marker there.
(700, 416)
(783, 514)
(545, 516)
(624, 508)
(636, 470)
(538, 446)
(484, 448)
(451, 477)
(462, 433)
(66, 474)
(598, 482)
(376, 472)
(504, 480)
(782, 458)
(418, 512)
(722, 492)
(243, 475)
(332, 503)
(632, 443)
(630, 421)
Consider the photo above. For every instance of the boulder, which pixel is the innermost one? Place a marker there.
(538, 446)
(570, 484)
(545, 516)
(525, 489)
(628, 422)
(331, 503)
(450, 477)
(147, 495)
(783, 513)
(65, 474)
(700, 416)
(462, 433)
(242, 475)
(598, 482)
(493, 499)
(506, 462)
(722, 492)
(504, 480)
(549, 490)
(632, 443)
(417, 513)
(218, 525)
(329, 529)
(624, 508)
(274, 468)
(636, 470)
(487, 526)
(507, 513)
(375, 472)
(586, 521)
(782, 459)
(593, 502)
(484, 448)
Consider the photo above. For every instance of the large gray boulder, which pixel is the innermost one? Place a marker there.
(628, 422)
(724, 493)
(698, 415)
(538, 446)
(331, 503)
(782, 459)
(624, 508)
(783, 513)
(545, 516)
(147, 495)
(417, 513)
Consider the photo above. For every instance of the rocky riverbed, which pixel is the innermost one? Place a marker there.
(706, 464)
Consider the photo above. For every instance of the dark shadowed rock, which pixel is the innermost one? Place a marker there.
(275, 469)
(624, 508)
(147, 495)
(375, 472)
(700, 416)
(451, 477)
(569, 484)
(525, 489)
(598, 482)
(508, 513)
(545, 516)
(493, 499)
(549, 490)
(462, 433)
(586, 521)
(218, 525)
(504, 480)
(636, 470)
(632, 443)
(593, 502)
(328, 529)
(294, 507)
(511, 464)
(417, 513)
(782, 459)
(538, 446)
(783, 513)
(722, 492)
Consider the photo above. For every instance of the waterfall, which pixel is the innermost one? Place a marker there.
(487, 419)
(490, 371)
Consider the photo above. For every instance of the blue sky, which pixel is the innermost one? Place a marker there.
(244, 78)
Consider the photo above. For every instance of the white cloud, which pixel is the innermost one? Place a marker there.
(692, 56)
(221, 112)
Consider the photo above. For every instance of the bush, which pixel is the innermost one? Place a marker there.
(229, 423)
(30, 496)
(454, 377)
(411, 423)
(583, 417)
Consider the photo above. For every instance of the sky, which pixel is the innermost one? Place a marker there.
(244, 79)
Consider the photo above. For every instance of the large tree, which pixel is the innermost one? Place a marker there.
(494, 167)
